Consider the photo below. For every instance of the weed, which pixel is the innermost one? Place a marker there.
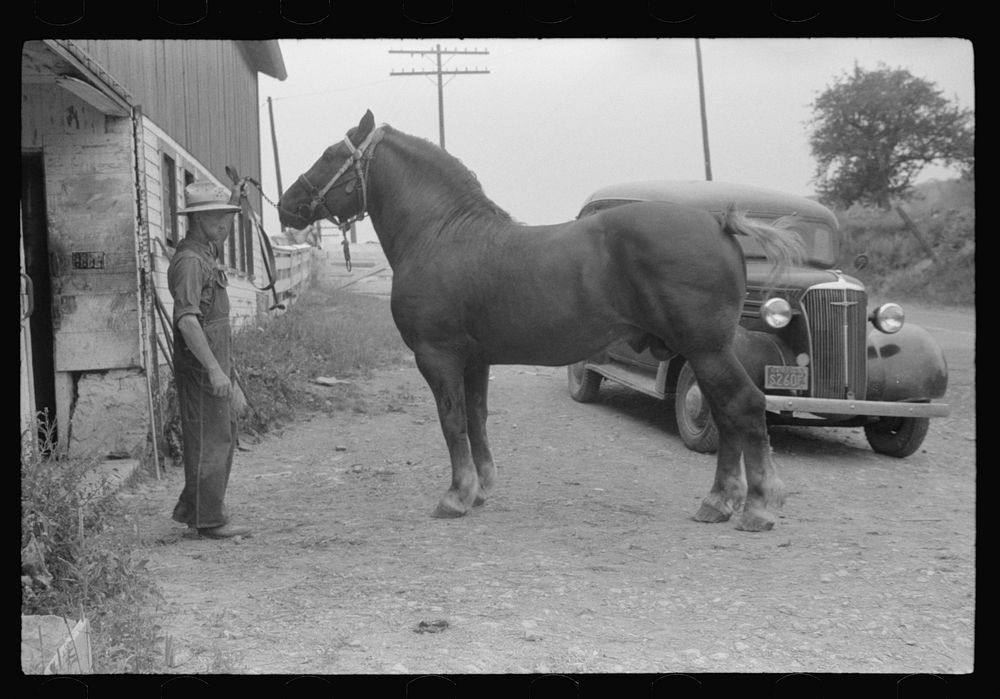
(224, 663)
(80, 556)
(326, 333)
(128, 639)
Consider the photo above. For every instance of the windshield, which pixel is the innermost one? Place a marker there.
(819, 240)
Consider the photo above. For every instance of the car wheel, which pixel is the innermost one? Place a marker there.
(897, 436)
(694, 419)
(584, 383)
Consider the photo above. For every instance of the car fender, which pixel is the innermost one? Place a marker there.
(756, 349)
(907, 365)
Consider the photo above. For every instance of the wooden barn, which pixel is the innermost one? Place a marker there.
(111, 132)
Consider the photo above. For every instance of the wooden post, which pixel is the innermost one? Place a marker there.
(912, 227)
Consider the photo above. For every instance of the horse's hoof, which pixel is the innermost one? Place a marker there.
(442, 512)
(755, 521)
(711, 514)
(449, 509)
(481, 496)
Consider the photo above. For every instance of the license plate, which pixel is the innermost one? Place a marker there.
(786, 377)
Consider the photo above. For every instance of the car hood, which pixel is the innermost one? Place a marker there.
(759, 274)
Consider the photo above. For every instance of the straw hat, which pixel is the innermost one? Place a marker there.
(207, 196)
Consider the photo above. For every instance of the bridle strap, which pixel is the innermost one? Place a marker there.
(360, 157)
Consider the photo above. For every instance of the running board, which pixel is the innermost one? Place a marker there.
(633, 378)
(655, 387)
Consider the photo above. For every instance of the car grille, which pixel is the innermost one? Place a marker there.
(837, 319)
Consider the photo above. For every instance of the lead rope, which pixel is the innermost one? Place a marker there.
(267, 252)
(347, 248)
(360, 163)
(342, 225)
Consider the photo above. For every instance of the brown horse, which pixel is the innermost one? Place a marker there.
(472, 288)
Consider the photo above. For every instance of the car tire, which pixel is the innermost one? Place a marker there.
(695, 423)
(897, 436)
(584, 383)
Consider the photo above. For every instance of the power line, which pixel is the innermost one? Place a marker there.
(437, 51)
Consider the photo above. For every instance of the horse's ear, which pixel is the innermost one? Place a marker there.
(366, 124)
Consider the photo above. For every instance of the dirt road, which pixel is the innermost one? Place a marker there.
(585, 560)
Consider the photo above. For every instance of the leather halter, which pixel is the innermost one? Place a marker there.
(360, 159)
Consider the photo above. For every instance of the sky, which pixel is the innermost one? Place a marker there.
(555, 119)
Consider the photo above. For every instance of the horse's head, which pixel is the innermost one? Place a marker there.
(334, 187)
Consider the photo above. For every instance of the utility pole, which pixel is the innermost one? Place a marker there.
(274, 144)
(440, 73)
(704, 119)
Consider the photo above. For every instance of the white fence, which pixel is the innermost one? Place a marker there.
(294, 267)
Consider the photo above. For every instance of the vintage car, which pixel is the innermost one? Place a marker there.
(804, 339)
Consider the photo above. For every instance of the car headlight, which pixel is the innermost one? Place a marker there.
(888, 317)
(776, 312)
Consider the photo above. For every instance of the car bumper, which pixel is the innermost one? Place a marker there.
(833, 406)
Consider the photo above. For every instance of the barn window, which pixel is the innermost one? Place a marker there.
(168, 179)
(246, 231)
(188, 179)
(231, 257)
(241, 241)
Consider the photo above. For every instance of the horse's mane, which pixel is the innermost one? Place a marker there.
(459, 194)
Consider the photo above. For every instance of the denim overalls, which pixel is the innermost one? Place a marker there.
(208, 423)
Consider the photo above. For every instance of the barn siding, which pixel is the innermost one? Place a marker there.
(48, 110)
(183, 85)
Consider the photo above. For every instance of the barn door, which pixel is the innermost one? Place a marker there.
(38, 387)
(91, 205)
(27, 302)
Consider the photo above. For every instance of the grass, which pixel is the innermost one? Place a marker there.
(327, 333)
(937, 268)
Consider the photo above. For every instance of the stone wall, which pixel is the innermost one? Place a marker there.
(110, 414)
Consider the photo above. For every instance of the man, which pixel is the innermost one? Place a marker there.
(202, 361)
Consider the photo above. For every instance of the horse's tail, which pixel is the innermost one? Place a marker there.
(782, 245)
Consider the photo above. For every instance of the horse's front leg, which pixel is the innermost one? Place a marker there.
(477, 380)
(443, 373)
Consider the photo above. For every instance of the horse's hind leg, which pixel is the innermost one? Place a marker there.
(765, 491)
(739, 411)
(477, 380)
(443, 373)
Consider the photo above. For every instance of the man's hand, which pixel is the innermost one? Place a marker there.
(237, 192)
(221, 385)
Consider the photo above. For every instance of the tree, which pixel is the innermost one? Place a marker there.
(875, 131)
